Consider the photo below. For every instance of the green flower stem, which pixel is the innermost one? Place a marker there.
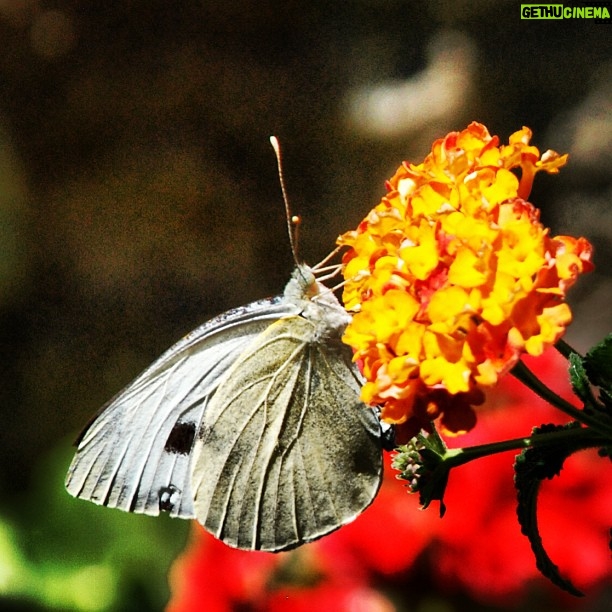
(579, 439)
(522, 373)
(565, 349)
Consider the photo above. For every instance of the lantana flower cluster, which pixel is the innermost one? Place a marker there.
(452, 277)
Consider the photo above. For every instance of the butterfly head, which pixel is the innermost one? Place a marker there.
(317, 303)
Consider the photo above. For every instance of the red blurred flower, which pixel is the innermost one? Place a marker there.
(479, 544)
(212, 576)
(477, 548)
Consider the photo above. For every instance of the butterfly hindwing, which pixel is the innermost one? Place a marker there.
(286, 452)
(136, 454)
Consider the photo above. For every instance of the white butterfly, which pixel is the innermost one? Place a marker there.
(252, 424)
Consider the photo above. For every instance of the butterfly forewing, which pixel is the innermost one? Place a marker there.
(136, 455)
(287, 453)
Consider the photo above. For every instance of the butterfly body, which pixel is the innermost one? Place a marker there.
(252, 424)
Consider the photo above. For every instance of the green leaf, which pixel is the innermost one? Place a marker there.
(598, 363)
(579, 379)
(533, 465)
(598, 367)
(434, 489)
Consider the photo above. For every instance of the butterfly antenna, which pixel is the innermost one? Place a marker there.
(293, 221)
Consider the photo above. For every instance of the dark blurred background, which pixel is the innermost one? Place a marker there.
(139, 192)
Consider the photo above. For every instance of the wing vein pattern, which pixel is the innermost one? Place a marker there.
(286, 434)
(122, 460)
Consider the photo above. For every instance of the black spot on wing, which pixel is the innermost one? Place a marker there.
(181, 438)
